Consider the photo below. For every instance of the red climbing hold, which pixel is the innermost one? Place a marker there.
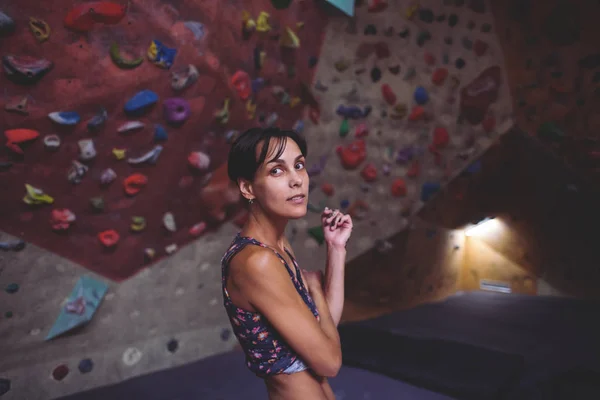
(361, 131)
(327, 188)
(59, 373)
(439, 76)
(377, 5)
(198, 229)
(399, 188)
(413, 171)
(353, 154)
(429, 58)
(480, 47)
(417, 113)
(369, 172)
(440, 137)
(388, 94)
(82, 17)
(241, 82)
(109, 238)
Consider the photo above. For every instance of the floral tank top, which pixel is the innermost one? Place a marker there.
(266, 351)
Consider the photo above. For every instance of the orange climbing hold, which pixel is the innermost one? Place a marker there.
(16, 136)
(241, 82)
(134, 183)
(109, 238)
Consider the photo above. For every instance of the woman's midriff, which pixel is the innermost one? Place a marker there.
(298, 386)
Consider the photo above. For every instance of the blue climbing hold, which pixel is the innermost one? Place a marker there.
(225, 334)
(421, 95)
(474, 167)
(86, 365)
(298, 126)
(160, 133)
(257, 85)
(429, 189)
(344, 204)
(172, 345)
(140, 102)
(65, 117)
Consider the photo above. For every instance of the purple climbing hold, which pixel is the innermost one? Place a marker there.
(59, 373)
(344, 204)
(177, 110)
(405, 155)
(353, 112)
(86, 365)
(257, 84)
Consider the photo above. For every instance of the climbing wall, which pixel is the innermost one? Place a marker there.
(408, 96)
(553, 64)
(116, 123)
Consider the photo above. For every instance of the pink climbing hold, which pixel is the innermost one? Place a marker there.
(440, 137)
(388, 94)
(439, 76)
(361, 131)
(429, 58)
(369, 172)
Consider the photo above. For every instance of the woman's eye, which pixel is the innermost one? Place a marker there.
(300, 165)
(274, 170)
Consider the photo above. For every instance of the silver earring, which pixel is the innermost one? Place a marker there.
(250, 201)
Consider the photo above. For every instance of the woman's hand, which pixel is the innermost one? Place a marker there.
(337, 227)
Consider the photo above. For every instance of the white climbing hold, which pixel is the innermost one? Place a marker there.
(87, 151)
(205, 266)
(169, 222)
(170, 249)
(35, 331)
(130, 126)
(131, 356)
(213, 302)
(179, 291)
(52, 142)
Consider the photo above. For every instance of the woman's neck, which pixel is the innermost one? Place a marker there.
(266, 230)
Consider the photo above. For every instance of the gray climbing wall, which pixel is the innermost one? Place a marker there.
(407, 53)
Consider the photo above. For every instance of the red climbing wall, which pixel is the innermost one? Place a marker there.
(84, 79)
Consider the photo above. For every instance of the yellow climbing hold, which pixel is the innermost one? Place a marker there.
(249, 23)
(412, 10)
(262, 22)
(223, 114)
(138, 224)
(36, 196)
(289, 39)
(119, 153)
(251, 109)
(294, 102)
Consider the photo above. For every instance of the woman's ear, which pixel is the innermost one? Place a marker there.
(246, 189)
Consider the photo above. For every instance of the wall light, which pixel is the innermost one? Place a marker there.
(482, 226)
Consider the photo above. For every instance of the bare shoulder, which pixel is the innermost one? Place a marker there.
(255, 267)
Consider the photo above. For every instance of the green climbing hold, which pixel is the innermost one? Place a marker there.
(317, 233)
(8, 314)
(551, 131)
(12, 288)
(281, 4)
(344, 128)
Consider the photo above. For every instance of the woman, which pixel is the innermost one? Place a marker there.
(284, 318)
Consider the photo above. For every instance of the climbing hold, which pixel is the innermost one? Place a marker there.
(353, 112)
(320, 86)
(11, 288)
(242, 84)
(423, 37)
(7, 26)
(141, 102)
(149, 254)
(399, 111)
(486, 28)
(316, 232)
(60, 372)
(87, 151)
(108, 238)
(198, 229)
(452, 20)
(289, 39)
(85, 366)
(417, 113)
(184, 78)
(222, 115)
(353, 154)
(177, 110)
(160, 133)
(98, 120)
(429, 58)
(130, 126)
(480, 47)
(358, 209)
(170, 249)
(388, 94)
(197, 29)
(327, 189)
(18, 106)
(262, 22)
(370, 29)
(172, 345)
(298, 126)
(344, 128)
(411, 10)
(76, 172)
(361, 131)
(52, 142)
(14, 245)
(440, 137)
(375, 74)
(477, 96)
(150, 157)
(398, 187)
(426, 15)
(83, 17)
(61, 219)
(169, 222)
(369, 172)
(467, 43)
(459, 63)
(161, 55)
(421, 96)
(134, 183)
(138, 224)
(35, 196)
(8, 315)
(122, 62)
(428, 190)
(344, 204)
(107, 176)
(65, 117)
(405, 33)
(225, 334)
(39, 28)
(97, 204)
(131, 356)
(25, 70)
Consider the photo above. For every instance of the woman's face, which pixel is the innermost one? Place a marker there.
(281, 186)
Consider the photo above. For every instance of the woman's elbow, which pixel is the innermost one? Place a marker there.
(334, 366)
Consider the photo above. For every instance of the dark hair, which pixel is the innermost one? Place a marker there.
(243, 162)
